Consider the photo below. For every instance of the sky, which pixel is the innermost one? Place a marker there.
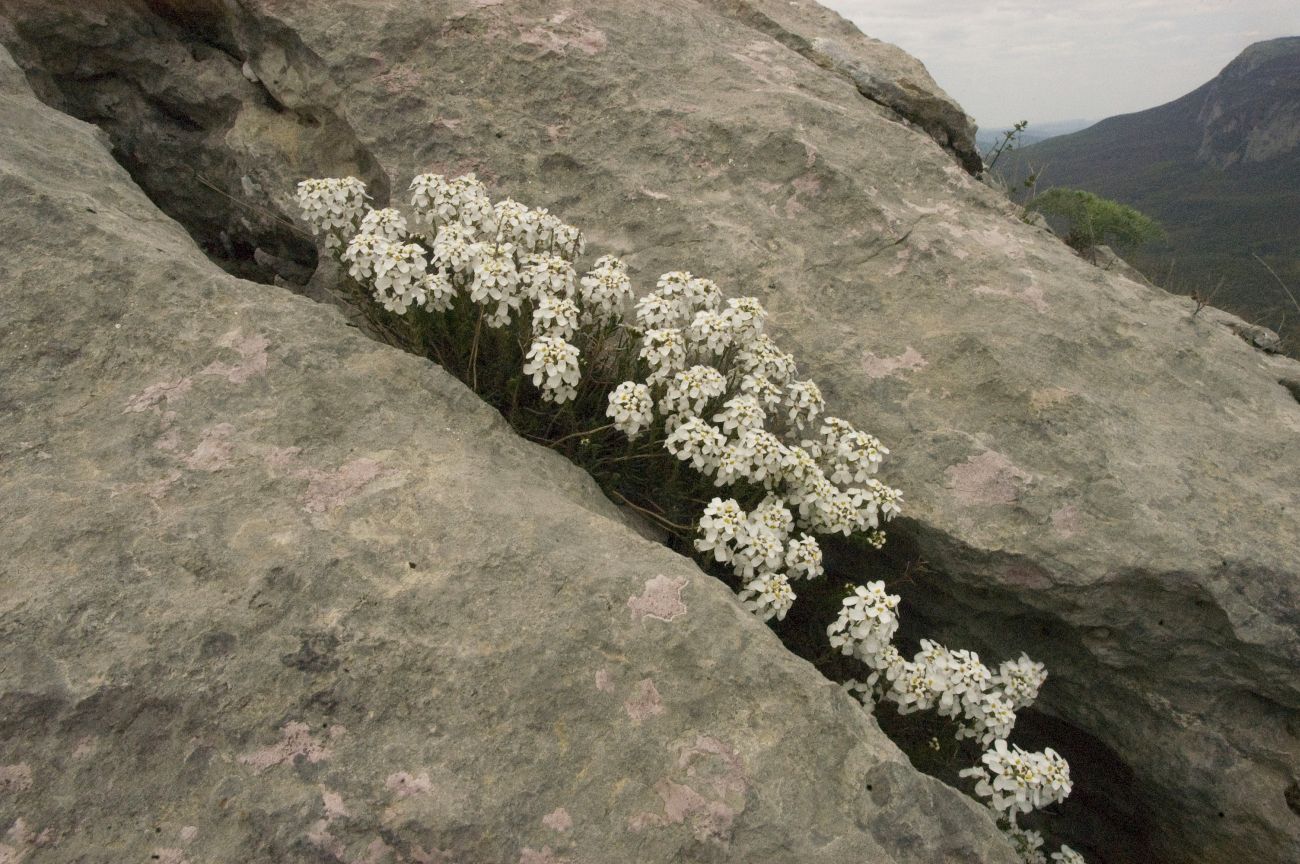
(1052, 60)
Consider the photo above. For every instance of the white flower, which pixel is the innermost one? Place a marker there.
(764, 454)
(567, 241)
(747, 317)
(517, 224)
(555, 316)
(1066, 855)
(711, 331)
(989, 719)
(1016, 781)
(362, 251)
(332, 206)
(766, 391)
(866, 623)
(495, 281)
(761, 357)
(605, 290)
(720, 525)
(768, 595)
(399, 272)
(740, 413)
(916, 688)
(851, 456)
(654, 311)
(542, 274)
(697, 442)
(387, 223)
(1019, 680)
(691, 390)
(772, 515)
(439, 201)
(553, 363)
(804, 399)
(1028, 844)
(702, 294)
(803, 557)
(631, 408)
(437, 290)
(664, 351)
(454, 247)
(799, 468)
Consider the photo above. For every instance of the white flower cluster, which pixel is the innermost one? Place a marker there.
(717, 393)
(507, 259)
(1017, 781)
(332, 207)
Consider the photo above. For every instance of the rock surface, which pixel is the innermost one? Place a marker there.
(1093, 475)
(273, 592)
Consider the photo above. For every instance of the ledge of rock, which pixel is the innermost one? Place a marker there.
(274, 592)
(1093, 475)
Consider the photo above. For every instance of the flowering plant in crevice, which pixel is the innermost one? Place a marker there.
(701, 423)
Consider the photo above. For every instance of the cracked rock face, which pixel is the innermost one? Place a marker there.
(1093, 475)
(276, 593)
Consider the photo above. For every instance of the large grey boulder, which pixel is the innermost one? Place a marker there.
(1093, 474)
(273, 592)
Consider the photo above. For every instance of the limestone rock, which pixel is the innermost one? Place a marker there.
(274, 592)
(1092, 475)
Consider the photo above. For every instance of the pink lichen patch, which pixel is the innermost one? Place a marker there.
(558, 820)
(710, 821)
(545, 856)
(252, 358)
(214, 451)
(604, 681)
(1030, 294)
(164, 392)
(562, 31)
(989, 478)
(86, 747)
(295, 740)
(26, 838)
(405, 785)
(189, 833)
(661, 599)
(402, 79)
(645, 702)
(1066, 520)
(15, 778)
(808, 184)
(280, 458)
(376, 851)
(717, 763)
(333, 804)
(883, 367)
(319, 836)
(327, 490)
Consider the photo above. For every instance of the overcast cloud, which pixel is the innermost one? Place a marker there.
(1045, 60)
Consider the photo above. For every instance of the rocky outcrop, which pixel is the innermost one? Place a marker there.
(1092, 474)
(275, 592)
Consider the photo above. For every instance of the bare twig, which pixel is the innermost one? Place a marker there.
(1278, 278)
(655, 516)
(267, 213)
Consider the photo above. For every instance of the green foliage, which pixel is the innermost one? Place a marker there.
(1091, 220)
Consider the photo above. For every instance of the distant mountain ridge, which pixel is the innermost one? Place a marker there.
(1220, 169)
